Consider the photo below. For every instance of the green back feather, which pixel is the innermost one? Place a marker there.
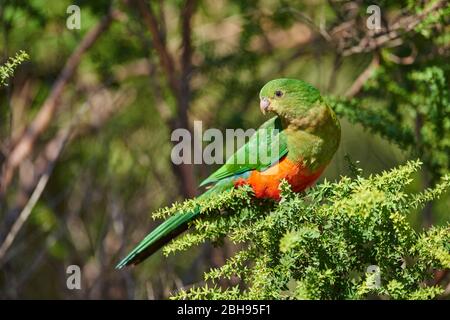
(263, 149)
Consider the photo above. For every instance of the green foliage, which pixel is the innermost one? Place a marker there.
(7, 69)
(377, 121)
(415, 113)
(318, 245)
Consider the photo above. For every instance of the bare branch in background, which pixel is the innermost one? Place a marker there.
(25, 144)
(186, 170)
(52, 152)
(101, 109)
(393, 32)
(165, 57)
(186, 58)
(363, 77)
(179, 81)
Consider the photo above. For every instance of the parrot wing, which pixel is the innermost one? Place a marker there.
(262, 150)
(265, 148)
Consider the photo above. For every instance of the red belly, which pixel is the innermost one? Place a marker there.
(265, 184)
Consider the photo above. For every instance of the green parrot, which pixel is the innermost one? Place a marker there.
(296, 145)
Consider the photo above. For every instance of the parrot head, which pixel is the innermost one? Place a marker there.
(288, 98)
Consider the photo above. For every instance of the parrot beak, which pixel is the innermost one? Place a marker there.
(264, 105)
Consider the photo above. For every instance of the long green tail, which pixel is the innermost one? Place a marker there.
(168, 230)
(161, 235)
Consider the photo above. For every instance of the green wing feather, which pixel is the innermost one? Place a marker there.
(264, 148)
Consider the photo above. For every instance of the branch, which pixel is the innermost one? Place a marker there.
(178, 83)
(186, 58)
(363, 77)
(24, 146)
(404, 25)
(52, 152)
(47, 159)
(166, 59)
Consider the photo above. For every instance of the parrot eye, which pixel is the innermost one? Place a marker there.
(279, 93)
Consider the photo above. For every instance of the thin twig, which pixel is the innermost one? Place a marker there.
(52, 152)
(24, 215)
(393, 32)
(165, 57)
(178, 80)
(363, 77)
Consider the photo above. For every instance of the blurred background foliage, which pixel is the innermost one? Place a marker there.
(154, 66)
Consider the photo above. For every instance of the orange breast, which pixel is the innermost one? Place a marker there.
(265, 184)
